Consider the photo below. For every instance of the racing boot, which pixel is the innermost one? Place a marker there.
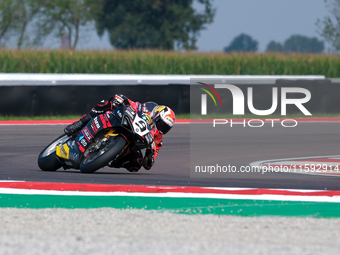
(78, 125)
(132, 161)
(149, 158)
(114, 163)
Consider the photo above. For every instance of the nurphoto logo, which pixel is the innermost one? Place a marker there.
(204, 98)
(239, 103)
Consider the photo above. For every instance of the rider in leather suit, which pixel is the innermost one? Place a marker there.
(163, 119)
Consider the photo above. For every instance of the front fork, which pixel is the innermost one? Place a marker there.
(99, 143)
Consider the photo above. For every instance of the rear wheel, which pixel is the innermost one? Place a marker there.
(47, 160)
(98, 158)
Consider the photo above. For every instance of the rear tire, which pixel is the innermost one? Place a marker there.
(94, 161)
(47, 160)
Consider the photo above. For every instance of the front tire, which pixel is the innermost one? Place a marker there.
(98, 159)
(47, 160)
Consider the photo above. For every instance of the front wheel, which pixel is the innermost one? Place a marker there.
(99, 158)
(47, 160)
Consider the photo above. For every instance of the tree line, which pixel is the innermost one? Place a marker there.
(295, 43)
(140, 24)
(131, 24)
(328, 28)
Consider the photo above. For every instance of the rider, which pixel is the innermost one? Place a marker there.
(163, 119)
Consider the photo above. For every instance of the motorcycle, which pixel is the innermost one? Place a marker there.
(103, 139)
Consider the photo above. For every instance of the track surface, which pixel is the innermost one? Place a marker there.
(21, 145)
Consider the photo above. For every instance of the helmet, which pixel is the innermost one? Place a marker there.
(164, 118)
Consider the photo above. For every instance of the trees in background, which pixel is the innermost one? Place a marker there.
(26, 13)
(275, 47)
(25, 23)
(7, 18)
(153, 24)
(242, 42)
(131, 24)
(297, 43)
(15, 17)
(66, 17)
(329, 27)
(140, 24)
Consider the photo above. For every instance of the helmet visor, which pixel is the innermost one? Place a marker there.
(162, 126)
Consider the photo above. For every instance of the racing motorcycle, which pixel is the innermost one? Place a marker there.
(103, 139)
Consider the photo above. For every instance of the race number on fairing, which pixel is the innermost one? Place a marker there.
(140, 126)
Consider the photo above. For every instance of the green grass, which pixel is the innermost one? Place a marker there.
(189, 205)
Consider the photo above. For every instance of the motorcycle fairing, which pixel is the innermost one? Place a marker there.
(63, 151)
(68, 155)
(97, 124)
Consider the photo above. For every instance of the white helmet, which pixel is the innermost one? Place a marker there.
(164, 118)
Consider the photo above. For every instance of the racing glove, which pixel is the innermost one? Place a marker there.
(101, 107)
(120, 99)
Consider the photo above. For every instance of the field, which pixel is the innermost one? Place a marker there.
(167, 62)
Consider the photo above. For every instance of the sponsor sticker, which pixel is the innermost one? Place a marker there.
(130, 112)
(87, 134)
(169, 121)
(96, 122)
(83, 142)
(63, 151)
(147, 117)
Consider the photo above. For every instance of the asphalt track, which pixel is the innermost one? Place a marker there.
(20, 146)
